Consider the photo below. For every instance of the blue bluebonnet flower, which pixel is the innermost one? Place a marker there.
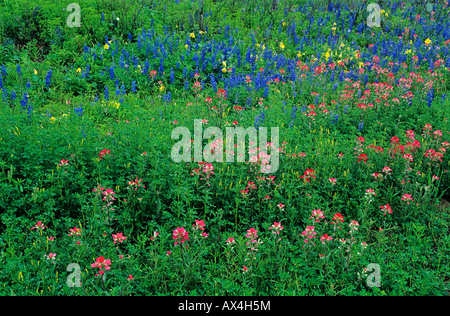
(19, 70)
(239, 57)
(213, 83)
(430, 97)
(4, 72)
(293, 116)
(79, 110)
(266, 92)
(346, 109)
(167, 97)
(360, 126)
(106, 93)
(172, 76)
(161, 66)
(259, 120)
(48, 78)
(24, 101)
(5, 95)
(236, 99)
(111, 73)
(133, 86)
(121, 61)
(247, 56)
(1, 83)
(294, 112)
(86, 49)
(29, 111)
(146, 67)
(13, 95)
(86, 73)
(186, 85)
(103, 17)
(334, 118)
(135, 61)
(28, 84)
(195, 58)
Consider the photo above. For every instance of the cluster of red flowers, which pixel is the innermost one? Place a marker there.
(308, 174)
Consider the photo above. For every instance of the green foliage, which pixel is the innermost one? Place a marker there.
(92, 157)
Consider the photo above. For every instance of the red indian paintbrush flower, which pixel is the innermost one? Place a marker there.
(337, 218)
(276, 228)
(38, 225)
(199, 224)
(104, 152)
(102, 263)
(309, 173)
(180, 235)
(119, 237)
(386, 208)
(75, 231)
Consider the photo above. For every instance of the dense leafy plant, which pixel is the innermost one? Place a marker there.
(90, 192)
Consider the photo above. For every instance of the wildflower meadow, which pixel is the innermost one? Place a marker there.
(224, 148)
